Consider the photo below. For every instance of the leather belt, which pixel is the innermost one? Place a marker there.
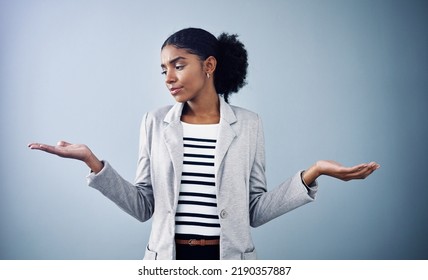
(198, 242)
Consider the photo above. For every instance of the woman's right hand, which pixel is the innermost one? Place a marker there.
(73, 151)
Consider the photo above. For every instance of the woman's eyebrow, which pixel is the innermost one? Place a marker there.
(173, 61)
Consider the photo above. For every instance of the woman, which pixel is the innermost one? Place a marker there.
(201, 168)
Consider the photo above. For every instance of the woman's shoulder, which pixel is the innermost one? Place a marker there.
(158, 114)
(243, 113)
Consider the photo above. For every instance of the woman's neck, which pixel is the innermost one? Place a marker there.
(202, 111)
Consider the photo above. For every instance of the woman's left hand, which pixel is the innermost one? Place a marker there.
(336, 170)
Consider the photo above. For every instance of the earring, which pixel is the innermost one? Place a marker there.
(208, 75)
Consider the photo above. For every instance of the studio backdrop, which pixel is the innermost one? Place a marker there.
(349, 78)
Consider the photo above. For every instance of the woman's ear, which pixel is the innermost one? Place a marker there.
(210, 65)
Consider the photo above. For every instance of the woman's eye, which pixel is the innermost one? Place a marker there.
(179, 67)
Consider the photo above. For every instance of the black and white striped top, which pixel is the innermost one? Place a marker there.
(197, 203)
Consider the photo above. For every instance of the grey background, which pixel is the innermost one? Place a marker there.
(349, 77)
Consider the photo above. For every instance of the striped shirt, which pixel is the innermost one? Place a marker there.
(197, 202)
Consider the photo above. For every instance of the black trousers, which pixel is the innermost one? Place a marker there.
(187, 252)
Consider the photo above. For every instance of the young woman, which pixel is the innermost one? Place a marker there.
(201, 168)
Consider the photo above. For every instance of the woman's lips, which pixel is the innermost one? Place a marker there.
(175, 90)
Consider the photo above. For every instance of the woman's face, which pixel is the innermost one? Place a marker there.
(185, 77)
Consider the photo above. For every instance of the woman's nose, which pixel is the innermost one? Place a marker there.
(170, 77)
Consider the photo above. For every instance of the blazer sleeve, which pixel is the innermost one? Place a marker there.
(135, 199)
(266, 205)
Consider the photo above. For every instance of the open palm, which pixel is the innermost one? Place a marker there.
(336, 170)
(65, 150)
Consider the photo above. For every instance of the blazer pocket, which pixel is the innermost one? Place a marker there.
(150, 255)
(252, 255)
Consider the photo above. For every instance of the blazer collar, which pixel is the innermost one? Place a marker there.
(226, 113)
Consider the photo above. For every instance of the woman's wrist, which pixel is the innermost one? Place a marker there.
(311, 174)
(94, 163)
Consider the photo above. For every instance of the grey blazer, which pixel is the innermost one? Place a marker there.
(242, 196)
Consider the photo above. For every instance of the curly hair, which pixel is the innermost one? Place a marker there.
(231, 55)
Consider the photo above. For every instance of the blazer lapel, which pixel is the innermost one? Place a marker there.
(226, 134)
(173, 138)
